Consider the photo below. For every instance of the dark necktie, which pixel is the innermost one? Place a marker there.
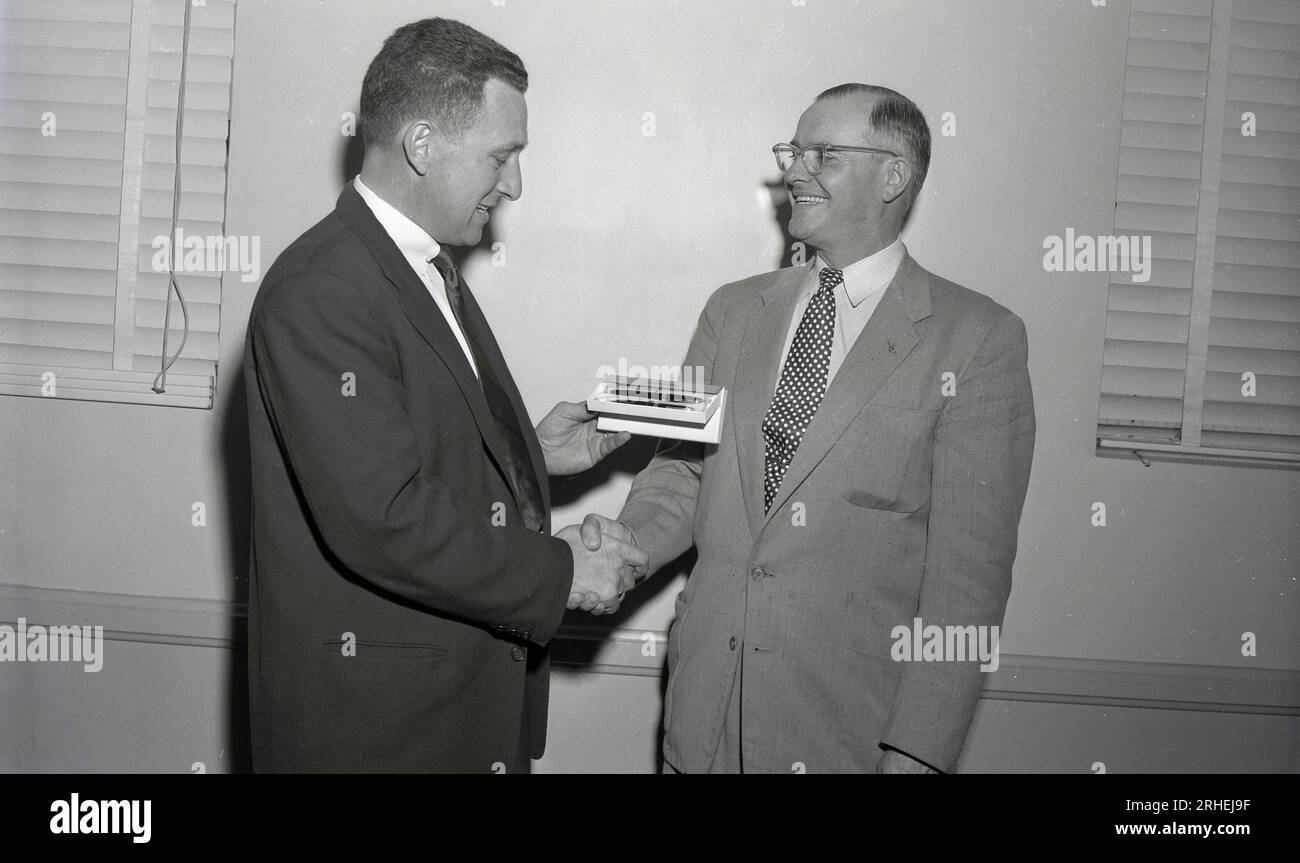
(519, 463)
(802, 386)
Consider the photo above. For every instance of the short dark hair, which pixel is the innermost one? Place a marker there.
(435, 68)
(900, 122)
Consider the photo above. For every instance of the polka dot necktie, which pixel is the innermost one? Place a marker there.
(803, 383)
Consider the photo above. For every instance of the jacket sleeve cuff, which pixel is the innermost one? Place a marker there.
(555, 557)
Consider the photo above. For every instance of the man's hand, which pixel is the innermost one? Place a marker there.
(603, 575)
(893, 761)
(595, 526)
(570, 441)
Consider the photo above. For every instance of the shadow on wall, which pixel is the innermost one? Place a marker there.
(626, 461)
(781, 213)
(235, 465)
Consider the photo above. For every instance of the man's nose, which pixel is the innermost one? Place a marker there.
(796, 172)
(511, 184)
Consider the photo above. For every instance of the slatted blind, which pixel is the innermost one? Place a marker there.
(1221, 209)
(1159, 176)
(1254, 322)
(80, 296)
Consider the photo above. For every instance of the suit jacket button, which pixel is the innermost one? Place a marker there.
(757, 573)
(732, 643)
(518, 654)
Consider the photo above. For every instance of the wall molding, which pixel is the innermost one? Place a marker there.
(129, 617)
(621, 650)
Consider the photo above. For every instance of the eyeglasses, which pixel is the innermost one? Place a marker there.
(814, 154)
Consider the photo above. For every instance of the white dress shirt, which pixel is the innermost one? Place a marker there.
(856, 299)
(419, 249)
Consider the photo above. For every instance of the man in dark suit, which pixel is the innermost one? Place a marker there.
(404, 581)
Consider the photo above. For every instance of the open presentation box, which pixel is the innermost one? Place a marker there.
(660, 408)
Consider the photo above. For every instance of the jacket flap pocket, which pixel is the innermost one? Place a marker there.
(383, 649)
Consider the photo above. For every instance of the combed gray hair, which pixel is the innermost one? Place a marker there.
(897, 119)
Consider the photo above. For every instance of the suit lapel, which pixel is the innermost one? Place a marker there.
(886, 340)
(756, 371)
(424, 315)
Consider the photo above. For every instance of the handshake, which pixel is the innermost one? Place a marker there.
(606, 563)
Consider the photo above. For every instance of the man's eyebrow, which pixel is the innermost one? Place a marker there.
(511, 147)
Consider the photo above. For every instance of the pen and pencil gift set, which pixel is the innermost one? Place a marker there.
(660, 408)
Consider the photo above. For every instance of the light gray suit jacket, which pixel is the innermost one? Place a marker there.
(901, 502)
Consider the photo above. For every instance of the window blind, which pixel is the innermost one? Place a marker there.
(1204, 357)
(88, 99)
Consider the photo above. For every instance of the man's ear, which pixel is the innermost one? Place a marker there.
(418, 144)
(898, 176)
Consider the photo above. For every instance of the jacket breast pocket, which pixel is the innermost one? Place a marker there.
(885, 458)
(869, 500)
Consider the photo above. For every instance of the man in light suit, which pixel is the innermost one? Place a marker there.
(872, 469)
(404, 583)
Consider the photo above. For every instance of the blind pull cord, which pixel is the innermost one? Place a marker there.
(160, 380)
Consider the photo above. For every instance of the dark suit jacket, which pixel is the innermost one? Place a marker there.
(394, 622)
(903, 500)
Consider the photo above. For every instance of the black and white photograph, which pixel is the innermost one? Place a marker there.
(650, 387)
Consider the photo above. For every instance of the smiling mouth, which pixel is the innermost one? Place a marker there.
(482, 209)
(809, 200)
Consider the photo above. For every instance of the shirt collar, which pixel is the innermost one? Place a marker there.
(412, 241)
(871, 274)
